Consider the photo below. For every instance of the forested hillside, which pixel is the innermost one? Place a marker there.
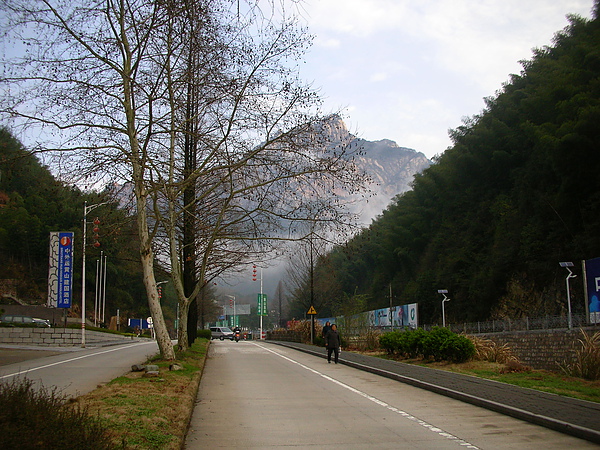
(33, 203)
(490, 220)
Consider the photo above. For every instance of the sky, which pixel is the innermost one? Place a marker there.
(410, 70)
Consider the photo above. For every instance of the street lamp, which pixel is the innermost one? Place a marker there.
(567, 266)
(86, 210)
(446, 299)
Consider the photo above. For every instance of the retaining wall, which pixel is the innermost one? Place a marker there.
(55, 337)
(543, 349)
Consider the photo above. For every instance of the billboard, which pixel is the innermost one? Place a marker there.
(60, 269)
(399, 316)
(592, 287)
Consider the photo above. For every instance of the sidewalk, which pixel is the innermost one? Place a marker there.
(567, 415)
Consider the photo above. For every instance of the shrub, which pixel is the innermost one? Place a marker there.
(412, 342)
(390, 342)
(587, 358)
(514, 366)
(457, 348)
(488, 350)
(205, 334)
(37, 418)
(433, 341)
(303, 327)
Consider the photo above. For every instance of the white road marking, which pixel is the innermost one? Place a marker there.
(69, 360)
(375, 400)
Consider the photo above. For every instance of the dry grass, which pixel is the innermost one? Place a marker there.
(150, 413)
(587, 358)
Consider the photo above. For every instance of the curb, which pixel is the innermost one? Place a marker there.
(537, 419)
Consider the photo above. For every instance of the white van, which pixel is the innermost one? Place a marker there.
(221, 333)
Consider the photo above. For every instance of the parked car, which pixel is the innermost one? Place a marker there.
(42, 322)
(221, 333)
(14, 319)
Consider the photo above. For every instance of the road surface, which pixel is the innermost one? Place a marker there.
(259, 395)
(76, 371)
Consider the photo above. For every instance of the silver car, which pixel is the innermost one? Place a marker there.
(221, 333)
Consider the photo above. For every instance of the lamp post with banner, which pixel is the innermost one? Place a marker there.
(86, 210)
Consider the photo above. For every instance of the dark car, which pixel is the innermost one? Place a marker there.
(14, 319)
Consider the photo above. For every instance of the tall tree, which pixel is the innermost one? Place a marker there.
(121, 84)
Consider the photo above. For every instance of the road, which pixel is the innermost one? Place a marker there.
(76, 371)
(260, 395)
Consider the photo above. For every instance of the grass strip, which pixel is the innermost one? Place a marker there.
(150, 413)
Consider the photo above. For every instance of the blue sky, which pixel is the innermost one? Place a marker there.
(410, 70)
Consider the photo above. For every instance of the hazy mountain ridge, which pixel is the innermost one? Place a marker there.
(392, 168)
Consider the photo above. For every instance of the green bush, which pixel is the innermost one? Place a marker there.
(37, 418)
(433, 341)
(390, 342)
(412, 342)
(457, 348)
(438, 344)
(204, 334)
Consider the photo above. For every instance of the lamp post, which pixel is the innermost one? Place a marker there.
(446, 299)
(86, 210)
(567, 265)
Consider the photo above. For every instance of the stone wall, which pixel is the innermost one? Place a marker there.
(542, 349)
(56, 337)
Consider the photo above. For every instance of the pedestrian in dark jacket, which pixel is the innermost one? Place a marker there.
(333, 343)
(326, 328)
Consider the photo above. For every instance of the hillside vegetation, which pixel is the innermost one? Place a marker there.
(490, 220)
(32, 204)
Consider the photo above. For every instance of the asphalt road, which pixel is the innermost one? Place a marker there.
(73, 371)
(261, 395)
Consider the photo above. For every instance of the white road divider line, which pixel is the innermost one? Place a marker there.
(375, 400)
(69, 360)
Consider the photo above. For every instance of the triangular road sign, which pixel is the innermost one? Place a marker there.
(312, 311)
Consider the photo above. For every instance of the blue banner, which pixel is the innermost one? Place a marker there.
(65, 269)
(592, 276)
(140, 324)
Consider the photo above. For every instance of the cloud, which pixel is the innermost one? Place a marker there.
(370, 53)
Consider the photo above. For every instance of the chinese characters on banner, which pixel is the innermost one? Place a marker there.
(60, 272)
(262, 305)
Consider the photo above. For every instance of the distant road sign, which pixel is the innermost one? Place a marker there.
(312, 311)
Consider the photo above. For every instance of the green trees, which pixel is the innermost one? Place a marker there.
(33, 203)
(493, 216)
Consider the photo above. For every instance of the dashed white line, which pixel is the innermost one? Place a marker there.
(375, 400)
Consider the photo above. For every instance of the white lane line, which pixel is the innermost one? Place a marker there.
(375, 400)
(72, 359)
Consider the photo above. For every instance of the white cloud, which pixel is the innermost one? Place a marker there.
(369, 53)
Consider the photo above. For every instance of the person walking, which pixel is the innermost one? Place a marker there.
(326, 328)
(333, 343)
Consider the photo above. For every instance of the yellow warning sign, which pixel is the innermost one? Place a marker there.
(312, 311)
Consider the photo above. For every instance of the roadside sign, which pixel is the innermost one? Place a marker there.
(312, 311)
(262, 305)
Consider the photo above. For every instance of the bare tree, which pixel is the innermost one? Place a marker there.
(203, 114)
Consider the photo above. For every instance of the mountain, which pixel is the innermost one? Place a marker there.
(517, 193)
(391, 168)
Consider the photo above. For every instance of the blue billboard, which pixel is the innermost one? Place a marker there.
(592, 284)
(65, 269)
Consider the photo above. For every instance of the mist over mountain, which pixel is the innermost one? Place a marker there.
(391, 168)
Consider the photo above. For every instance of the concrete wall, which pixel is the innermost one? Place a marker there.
(55, 337)
(542, 349)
